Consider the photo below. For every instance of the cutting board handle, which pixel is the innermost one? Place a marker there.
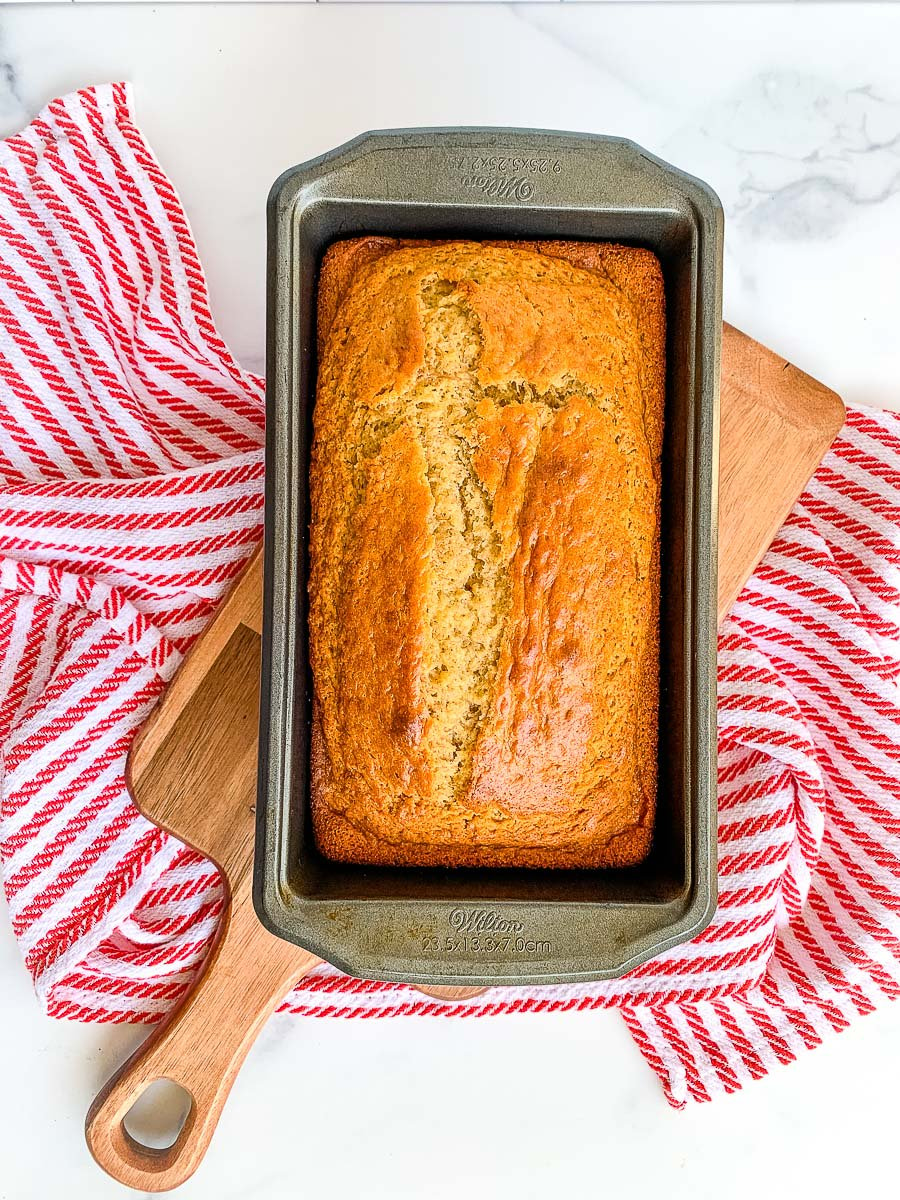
(200, 1047)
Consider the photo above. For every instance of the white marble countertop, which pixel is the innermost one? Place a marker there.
(793, 114)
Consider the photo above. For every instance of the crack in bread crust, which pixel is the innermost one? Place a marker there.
(484, 553)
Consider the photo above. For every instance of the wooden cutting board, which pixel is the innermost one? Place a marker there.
(776, 424)
(192, 769)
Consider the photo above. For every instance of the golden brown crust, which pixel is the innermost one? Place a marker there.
(484, 584)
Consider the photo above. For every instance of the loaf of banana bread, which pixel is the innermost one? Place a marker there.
(484, 553)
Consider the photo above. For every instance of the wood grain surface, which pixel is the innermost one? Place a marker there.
(776, 424)
(192, 769)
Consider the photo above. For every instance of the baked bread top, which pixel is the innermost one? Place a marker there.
(484, 552)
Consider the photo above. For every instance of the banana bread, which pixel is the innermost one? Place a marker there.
(484, 553)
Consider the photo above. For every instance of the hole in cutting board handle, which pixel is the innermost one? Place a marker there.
(159, 1114)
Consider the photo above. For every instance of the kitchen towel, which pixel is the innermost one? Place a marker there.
(132, 466)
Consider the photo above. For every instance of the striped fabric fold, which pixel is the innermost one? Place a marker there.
(131, 474)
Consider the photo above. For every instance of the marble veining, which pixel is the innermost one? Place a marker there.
(11, 105)
(805, 154)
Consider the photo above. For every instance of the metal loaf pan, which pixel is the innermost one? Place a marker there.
(495, 926)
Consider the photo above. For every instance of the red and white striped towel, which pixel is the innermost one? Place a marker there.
(131, 463)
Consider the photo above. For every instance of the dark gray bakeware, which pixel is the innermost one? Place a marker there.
(430, 926)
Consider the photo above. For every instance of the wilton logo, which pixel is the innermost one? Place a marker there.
(481, 920)
(514, 187)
